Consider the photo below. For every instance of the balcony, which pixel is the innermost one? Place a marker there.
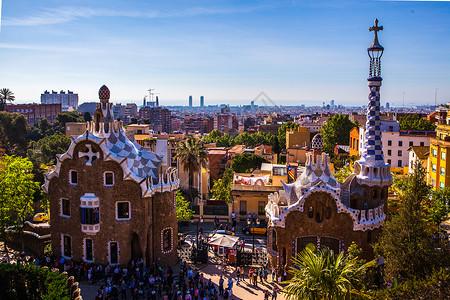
(90, 229)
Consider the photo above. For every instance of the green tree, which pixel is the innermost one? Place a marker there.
(406, 241)
(66, 117)
(438, 206)
(225, 140)
(42, 129)
(282, 133)
(336, 131)
(213, 136)
(182, 207)
(133, 120)
(14, 130)
(221, 189)
(247, 162)
(17, 188)
(322, 274)
(5, 95)
(45, 150)
(87, 116)
(192, 155)
(343, 173)
(415, 122)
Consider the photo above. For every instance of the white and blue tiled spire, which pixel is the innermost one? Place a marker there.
(374, 171)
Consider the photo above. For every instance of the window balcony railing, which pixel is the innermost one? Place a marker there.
(90, 229)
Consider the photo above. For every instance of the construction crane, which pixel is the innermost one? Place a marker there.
(150, 96)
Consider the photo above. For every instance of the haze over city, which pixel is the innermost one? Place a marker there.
(297, 52)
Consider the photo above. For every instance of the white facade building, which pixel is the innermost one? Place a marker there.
(68, 101)
(396, 142)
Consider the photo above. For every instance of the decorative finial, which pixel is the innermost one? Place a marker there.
(104, 94)
(375, 51)
(376, 28)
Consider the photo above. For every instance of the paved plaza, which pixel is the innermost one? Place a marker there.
(245, 290)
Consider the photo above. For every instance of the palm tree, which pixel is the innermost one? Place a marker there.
(5, 95)
(322, 274)
(192, 155)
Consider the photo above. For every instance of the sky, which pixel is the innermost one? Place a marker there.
(296, 52)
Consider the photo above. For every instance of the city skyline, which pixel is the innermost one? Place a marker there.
(226, 51)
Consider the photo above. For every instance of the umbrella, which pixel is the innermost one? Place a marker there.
(226, 241)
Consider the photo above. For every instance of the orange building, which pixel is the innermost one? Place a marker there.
(354, 141)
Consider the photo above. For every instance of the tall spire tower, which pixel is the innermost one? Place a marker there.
(374, 171)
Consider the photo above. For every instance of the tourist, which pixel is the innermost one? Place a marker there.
(238, 274)
(225, 294)
(230, 284)
(274, 292)
(216, 222)
(265, 273)
(221, 286)
(255, 278)
(274, 273)
(266, 294)
(123, 289)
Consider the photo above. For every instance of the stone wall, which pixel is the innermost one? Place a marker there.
(324, 221)
(133, 236)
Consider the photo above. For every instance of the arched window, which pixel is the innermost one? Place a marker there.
(319, 212)
(73, 177)
(166, 240)
(328, 212)
(311, 212)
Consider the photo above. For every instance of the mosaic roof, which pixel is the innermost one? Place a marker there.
(317, 142)
(140, 162)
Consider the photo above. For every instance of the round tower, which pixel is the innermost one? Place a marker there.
(373, 170)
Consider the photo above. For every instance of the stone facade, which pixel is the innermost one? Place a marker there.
(108, 201)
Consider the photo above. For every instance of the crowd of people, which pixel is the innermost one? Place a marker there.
(138, 281)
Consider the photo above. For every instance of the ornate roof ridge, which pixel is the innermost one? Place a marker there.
(167, 181)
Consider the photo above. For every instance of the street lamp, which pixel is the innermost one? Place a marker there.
(251, 223)
(200, 220)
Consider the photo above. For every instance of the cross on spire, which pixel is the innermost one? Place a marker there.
(376, 28)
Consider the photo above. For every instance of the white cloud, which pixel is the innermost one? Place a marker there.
(51, 16)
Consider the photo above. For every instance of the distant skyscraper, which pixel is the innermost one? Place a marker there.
(68, 101)
(190, 101)
(202, 101)
(157, 101)
(387, 105)
(332, 103)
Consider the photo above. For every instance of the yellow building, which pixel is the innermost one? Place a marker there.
(354, 142)
(249, 192)
(438, 163)
(75, 128)
(297, 138)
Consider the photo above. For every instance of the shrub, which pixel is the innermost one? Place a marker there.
(435, 286)
(28, 282)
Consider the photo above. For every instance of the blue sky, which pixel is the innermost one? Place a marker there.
(297, 52)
